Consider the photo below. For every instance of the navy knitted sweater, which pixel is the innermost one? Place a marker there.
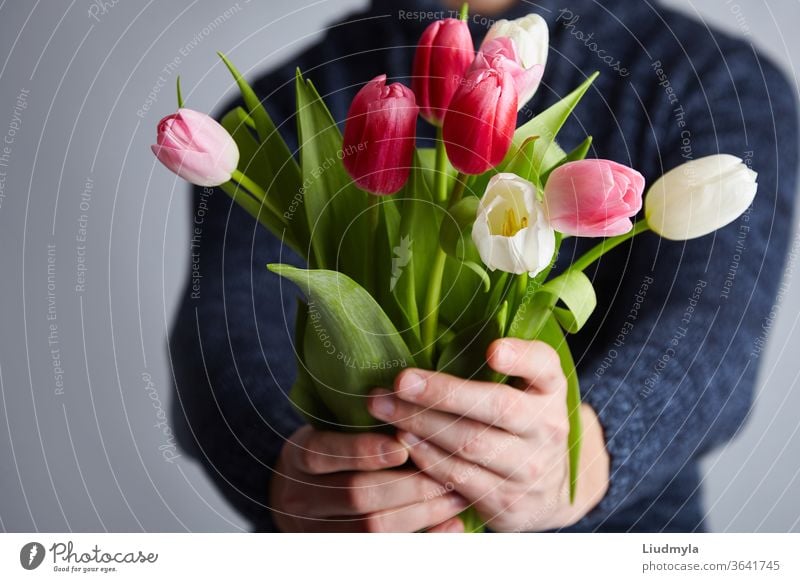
(669, 359)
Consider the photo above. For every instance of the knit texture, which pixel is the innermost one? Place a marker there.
(669, 359)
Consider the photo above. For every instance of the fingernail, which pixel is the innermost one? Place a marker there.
(505, 354)
(409, 439)
(383, 406)
(389, 453)
(412, 384)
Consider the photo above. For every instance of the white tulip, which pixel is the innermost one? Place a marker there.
(700, 196)
(511, 230)
(530, 35)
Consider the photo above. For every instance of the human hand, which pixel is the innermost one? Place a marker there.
(337, 482)
(502, 448)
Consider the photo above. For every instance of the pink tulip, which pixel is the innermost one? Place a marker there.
(593, 198)
(380, 135)
(501, 53)
(481, 120)
(444, 54)
(196, 148)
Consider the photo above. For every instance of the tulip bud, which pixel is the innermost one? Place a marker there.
(444, 54)
(511, 230)
(196, 148)
(480, 123)
(500, 53)
(593, 198)
(700, 196)
(530, 36)
(380, 136)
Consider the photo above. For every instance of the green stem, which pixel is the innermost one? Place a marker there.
(256, 190)
(602, 248)
(430, 321)
(458, 189)
(373, 215)
(464, 11)
(440, 179)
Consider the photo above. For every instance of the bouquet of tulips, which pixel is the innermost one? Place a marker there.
(424, 256)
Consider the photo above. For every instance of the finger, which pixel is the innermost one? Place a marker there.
(319, 452)
(453, 525)
(538, 364)
(475, 483)
(416, 517)
(474, 441)
(359, 493)
(498, 405)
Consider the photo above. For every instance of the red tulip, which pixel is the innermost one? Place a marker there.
(444, 54)
(380, 135)
(481, 120)
(501, 53)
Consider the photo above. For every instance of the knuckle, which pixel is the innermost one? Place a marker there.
(558, 430)
(311, 461)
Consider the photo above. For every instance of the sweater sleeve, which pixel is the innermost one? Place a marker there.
(672, 365)
(231, 352)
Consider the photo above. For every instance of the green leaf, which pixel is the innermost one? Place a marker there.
(579, 153)
(395, 276)
(552, 335)
(465, 355)
(577, 292)
(350, 345)
(336, 210)
(280, 173)
(546, 126)
(260, 212)
(524, 161)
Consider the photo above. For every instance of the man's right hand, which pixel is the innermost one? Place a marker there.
(336, 482)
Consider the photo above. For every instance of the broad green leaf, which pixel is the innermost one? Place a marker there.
(305, 398)
(577, 292)
(546, 126)
(336, 210)
(350, 345)
(455, 237)
(552, 335)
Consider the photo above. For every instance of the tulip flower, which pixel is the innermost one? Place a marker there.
(480, 123)
(593, 198)
(501, 53)
(196, 148)
(379, 136)
(530, 35)
(444, 54)
(511, 230)
(700, 196)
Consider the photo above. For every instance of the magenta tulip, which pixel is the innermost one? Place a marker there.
(380, 135)
(593, 198)
(481, 120)
(501, 53)
(444, 54)
(196, 148)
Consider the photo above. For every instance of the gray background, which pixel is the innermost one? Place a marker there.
(91, 458)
